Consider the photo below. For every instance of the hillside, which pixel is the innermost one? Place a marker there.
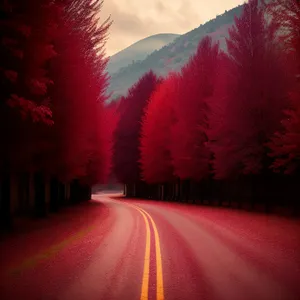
(174, 55)
(139, 51)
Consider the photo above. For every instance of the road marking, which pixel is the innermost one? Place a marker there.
(32, 261)
(159, 272)
(146, 272)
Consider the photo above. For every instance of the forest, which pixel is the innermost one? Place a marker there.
(223, 129)
(55, 127)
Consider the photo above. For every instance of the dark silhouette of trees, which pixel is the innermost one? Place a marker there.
(53, 88)
(26, 48)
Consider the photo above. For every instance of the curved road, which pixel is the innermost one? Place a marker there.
(116, 249)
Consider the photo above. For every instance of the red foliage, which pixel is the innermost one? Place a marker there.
(286, 143)
(286, 15)
(52, 71)
(126, 155)
(110, 121)
(191, 156)
(26, 48)
(37, 113)
(99, 168)
(252, 94)
(78, 93)
(156, 162)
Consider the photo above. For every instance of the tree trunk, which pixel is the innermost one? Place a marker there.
(24, 192)
(194, 193)
(182, 191)
(162, 191)
(240, 199)
(74, 191)
(39, 196)
(296, 208)
(187, 190)
(54, 195)
(266, 196)
(128, 190)
(5, 204)
(173, 194)
(134, 190)
(88, 193)
(141, 189)
(254, 193)
(199, 192)
(61, 194)
(223, 193)
(232, 196)
(188, 187)
(67, 193)
(176, 189)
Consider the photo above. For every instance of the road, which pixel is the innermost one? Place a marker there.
(111, 248)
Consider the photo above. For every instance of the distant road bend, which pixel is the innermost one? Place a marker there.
(115, 248)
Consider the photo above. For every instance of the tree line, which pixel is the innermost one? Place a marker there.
(226, 127)
(55, 127)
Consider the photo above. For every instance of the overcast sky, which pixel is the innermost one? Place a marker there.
(137, 19)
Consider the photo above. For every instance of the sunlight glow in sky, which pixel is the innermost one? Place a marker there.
(137, 19)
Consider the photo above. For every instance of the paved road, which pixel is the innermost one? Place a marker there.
(115, 249)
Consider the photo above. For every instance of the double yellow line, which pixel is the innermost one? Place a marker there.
(146, 272)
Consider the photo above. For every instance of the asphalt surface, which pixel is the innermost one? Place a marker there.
(112, 248)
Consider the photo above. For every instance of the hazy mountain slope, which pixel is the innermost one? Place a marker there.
(139, 51)
(174, 55)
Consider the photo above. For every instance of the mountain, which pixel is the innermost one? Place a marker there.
(139, 51)
(174, 55)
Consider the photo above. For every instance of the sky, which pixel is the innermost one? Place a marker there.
(134, 20)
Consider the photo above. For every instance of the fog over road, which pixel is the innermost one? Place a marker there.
(112, 248)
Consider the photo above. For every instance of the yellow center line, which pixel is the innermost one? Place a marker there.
(146, 272)
(159, 271)
(32, 261)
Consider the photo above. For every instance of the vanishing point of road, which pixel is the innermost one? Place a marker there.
(112, 248)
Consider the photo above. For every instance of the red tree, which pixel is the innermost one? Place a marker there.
(191, 156)
(253, 95)
(156, 162)
(26, 34)
(79, 92)
(26, 37)
(26, 47)
(286, 143)
(127, 135)
(101, 165)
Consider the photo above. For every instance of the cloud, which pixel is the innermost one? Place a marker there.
(136, 19)
(160, 7)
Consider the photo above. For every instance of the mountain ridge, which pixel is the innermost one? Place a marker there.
(173, 56)
(138, 51)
